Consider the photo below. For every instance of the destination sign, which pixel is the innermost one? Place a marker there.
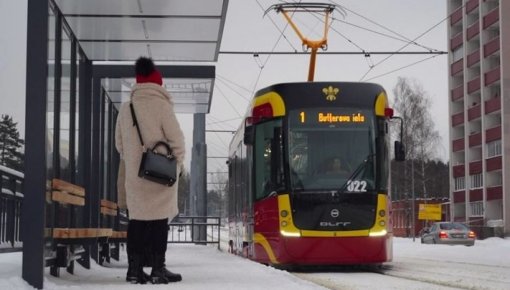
(324, 117)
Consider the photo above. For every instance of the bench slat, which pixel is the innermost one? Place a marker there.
(108, 204)
(108, 211)
(61, 185)
(64, 197)
(67, 233)
(119, 235)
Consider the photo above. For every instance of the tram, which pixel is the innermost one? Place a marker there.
(287, 203)
(309, 171)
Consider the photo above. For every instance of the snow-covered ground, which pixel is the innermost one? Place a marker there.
(415, 266)
(486, 265)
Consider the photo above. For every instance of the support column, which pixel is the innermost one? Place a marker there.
(34, 204)
(92, 206)
(198, 192)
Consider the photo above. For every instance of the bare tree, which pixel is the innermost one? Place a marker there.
(412, 104)
(217, 193)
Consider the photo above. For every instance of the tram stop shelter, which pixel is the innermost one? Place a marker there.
(80, 59)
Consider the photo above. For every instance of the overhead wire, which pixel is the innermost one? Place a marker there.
(332, 28)
(412, 41)
(370, 63)
(404, 38)
(367, 55)
(226, 82)
(282, 34)
(234, 83)
(221, 140)
(224, 95)
(226, 99)
(403, 67)
(223, 121)
(419, 36)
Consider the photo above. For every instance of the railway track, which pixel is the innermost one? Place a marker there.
(414, 273)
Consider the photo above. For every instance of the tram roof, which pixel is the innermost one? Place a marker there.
(117, 32)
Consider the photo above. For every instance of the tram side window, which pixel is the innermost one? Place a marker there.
(382, 142)
(268, 158)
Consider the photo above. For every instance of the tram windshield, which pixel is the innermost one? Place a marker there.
(331, 149)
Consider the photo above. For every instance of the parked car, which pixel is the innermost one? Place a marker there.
(448, 233)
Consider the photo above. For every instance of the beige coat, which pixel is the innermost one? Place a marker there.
(147, 200)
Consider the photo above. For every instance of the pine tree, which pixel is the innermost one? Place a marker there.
(11, 144)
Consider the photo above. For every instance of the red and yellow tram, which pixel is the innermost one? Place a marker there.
(309, 176)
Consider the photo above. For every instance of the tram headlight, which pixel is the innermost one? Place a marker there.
(382, 213)
(382, 223)
(378, 233)
(284, 223)
(284, 213)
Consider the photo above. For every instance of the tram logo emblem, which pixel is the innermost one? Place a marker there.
(335, 213)
(330, 93)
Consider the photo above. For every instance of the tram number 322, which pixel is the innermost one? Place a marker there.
(357, 185)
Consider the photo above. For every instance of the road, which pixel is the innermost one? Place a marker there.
(420, 266)
(486, 265)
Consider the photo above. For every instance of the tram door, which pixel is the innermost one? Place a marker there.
(268, 177)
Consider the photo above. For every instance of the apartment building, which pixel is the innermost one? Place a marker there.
(479, 107)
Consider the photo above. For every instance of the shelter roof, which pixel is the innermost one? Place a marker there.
(171, 32)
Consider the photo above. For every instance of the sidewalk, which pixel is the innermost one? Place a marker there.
(202, 267)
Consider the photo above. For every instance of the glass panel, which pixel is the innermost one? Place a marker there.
(158, 51)
(50, 97)
(453, 226)
(65, 93)
(189, 95)
(106, 143)
(383, 158)
(132, 7)
(331, 149)
(118, 28)
(51, 92)
(77, 111)
(268, 161)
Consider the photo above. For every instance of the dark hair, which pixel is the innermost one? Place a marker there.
(144, 66)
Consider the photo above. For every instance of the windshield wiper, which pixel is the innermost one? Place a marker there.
(356, 172)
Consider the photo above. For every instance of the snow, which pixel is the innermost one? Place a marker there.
(415, 266)
(12, 171)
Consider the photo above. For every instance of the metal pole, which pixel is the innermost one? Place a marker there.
(366, 53)
(34, 203)
(198, 176)
(311, 69)
(412, 200)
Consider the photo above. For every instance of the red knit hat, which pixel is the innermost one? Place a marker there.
(154, 77)
(146, 72)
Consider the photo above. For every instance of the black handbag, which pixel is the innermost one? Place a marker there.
(154, 166)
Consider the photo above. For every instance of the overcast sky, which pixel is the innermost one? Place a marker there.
(247, 29)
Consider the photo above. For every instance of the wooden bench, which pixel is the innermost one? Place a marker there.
(69, 235)
(112, 217)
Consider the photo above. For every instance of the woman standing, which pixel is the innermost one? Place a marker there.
(150, 205)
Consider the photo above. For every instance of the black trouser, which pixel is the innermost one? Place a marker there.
(147, 238)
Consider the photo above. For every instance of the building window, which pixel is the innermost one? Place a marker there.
(476, 181)
(460, 183)
(494, 148)
(457, 54)
(476, 208)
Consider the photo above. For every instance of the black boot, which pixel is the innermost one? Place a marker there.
(135, 273)
(160, 275)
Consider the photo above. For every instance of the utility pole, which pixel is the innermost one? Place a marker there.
(412, 200)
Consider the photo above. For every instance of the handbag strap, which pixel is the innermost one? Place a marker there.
(135, 123)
